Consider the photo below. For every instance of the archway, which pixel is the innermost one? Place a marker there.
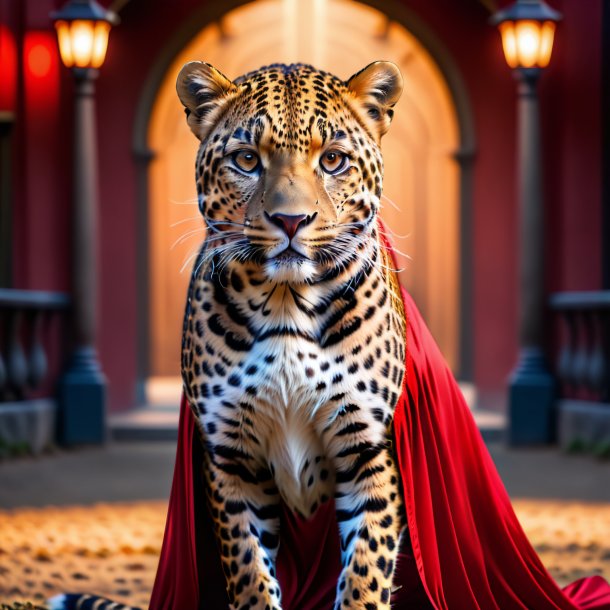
(422, 180)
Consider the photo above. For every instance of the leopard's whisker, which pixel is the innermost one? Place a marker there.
(187, 235)
(393, 233)
(188, 259)
(189, 219)
(194, 201)
(232, 223)
(392, 203)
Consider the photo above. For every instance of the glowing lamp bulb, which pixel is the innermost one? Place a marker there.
(528, 30)
(82, 32)
(527, 44)
(83, 43)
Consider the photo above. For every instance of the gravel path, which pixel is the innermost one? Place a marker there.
(112, 549)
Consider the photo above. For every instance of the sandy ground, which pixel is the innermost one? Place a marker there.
(112, 549)
(108, 549)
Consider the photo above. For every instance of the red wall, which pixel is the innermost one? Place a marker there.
(570, 103)
(476, 49)
(42, 158)
(571, 113)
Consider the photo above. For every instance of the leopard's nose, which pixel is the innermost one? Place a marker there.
(290, 223)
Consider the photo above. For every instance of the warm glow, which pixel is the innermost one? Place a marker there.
(39, 60)
(81, 36)
(40, 73)
(507, 30)
(83, 44)
(100, 43)
(528, 43)
(65, 46)
(527, 34)
(8, 70)
(546, 44)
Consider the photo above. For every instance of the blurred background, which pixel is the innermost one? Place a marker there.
(497, 192)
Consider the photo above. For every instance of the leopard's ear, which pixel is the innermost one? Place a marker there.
(204, 91)
(375, 91)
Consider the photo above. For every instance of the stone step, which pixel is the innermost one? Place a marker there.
(492, 425)
(145, 424)
(161, 424)
(584, 426)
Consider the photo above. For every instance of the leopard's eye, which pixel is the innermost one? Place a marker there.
(246, 160)
(333, 162)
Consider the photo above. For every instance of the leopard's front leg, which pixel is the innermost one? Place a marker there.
(244, 503)
(371, 522)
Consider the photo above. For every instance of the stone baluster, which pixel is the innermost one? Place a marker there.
(17, 366)
(3, 372)
(567, 351)
(37, 360)
(603, 357)
(581, 357)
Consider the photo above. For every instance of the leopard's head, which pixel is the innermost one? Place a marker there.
(289, 170)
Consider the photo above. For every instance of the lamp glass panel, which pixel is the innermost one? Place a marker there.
(100, 43)
(82, 34)
(546, 43)
(528, 35)
(65, 43)
(509, 43)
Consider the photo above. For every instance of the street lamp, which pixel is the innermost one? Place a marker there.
(82, 31)
(527, 28)
(82, 42)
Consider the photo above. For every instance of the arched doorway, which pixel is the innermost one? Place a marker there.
(422, 179)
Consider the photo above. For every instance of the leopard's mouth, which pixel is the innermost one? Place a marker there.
(289, 256)
(290, 266)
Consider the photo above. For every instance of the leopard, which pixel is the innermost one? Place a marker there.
(294, 335)
(294, 332)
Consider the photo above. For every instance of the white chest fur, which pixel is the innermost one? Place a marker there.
(275, 401)
(286, 416)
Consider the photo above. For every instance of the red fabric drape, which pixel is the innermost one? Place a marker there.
(469, 547)
(467, 550)
(176, 584)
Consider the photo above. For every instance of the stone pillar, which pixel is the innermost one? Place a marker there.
(531, 387)
(82, 392)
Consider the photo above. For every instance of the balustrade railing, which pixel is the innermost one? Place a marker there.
(25, 318)
(583, 364)
(583, 371)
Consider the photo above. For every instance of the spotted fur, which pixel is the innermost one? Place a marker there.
(77, 601)
(294, 333)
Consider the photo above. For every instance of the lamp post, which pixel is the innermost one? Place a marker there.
(82, 30)
(527, 28)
